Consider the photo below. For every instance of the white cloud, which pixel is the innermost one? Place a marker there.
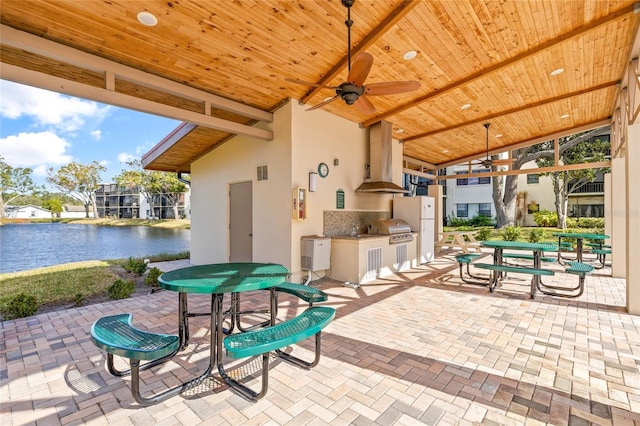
(48, 108)
(96, 134)
(125, 157)
(35, 150)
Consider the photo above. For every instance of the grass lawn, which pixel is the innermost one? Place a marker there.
(73, 283)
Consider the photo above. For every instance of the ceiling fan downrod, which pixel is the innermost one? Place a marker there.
(348, 23)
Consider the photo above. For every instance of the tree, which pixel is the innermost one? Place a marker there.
(14, 182)
(79, 181)
(54, 204)
(505, 188)
(574, 149)
(151, 183)
(172, 189)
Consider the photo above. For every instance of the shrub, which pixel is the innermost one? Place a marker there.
(479, 220)
(546, 218)
(135, 266)
(511, 233)
(152, 277)
(78, 299)
(456, 222)
(121, 289)
(535, 235)
(18, 306)
(591, 222)
(483, 234)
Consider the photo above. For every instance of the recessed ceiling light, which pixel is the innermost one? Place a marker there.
(564, 116)
(410, 55)
(465, 106)
(148, 19)
(557, 71)
(499, 135)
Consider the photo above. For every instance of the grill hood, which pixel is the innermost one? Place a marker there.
(380, 162)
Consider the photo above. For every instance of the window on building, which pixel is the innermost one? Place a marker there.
(484, 180)
(462, 210)
(484, 209)
(534, 178)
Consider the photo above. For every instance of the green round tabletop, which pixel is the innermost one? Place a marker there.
(223, 278)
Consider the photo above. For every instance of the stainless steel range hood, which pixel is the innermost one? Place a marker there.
(380, 162)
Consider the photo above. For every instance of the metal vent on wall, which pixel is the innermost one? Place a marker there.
(374, 262)
(263, 172)
(402, 257)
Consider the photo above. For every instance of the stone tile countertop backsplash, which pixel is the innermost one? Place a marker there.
(343, 223)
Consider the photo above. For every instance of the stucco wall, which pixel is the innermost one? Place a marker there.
(302, 140)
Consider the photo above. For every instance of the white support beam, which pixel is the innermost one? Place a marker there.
(50, 49)
(60, 85)
(524, 144)
(596, 165)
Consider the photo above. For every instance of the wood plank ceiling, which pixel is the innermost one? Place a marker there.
(495, 55)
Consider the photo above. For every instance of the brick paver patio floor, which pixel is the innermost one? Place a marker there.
(417, 348)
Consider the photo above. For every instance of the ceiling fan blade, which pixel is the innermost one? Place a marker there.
(360, 69)
(306, 83)
(391, 87)
(365, 106)
(321, 104)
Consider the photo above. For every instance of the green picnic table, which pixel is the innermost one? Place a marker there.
(580, 242)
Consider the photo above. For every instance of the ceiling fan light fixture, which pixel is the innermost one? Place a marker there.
(147, 18)
(410, 55)
(557, 71)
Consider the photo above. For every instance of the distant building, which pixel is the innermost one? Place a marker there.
(119, 202)
(74, 212)
(27, 212)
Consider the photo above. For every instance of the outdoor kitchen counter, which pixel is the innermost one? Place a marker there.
(365, 257)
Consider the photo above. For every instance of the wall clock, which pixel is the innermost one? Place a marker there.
(323, 170)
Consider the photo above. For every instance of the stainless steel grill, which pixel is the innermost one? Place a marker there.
(398, 230)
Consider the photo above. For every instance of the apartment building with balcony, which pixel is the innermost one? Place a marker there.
(119, 202)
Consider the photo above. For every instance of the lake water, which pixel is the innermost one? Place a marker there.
(29, 246)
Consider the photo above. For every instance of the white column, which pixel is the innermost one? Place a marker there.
(633, 218)
(607, 205)
(618, 215)
(436, 191)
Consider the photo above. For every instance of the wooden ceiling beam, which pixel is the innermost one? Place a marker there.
(513, 111)
(392, 19)
(501, 65)
(50, 49)
(81, 90)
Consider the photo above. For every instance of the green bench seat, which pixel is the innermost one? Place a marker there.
(116, 335)
(576, 268)
(603, 251)
(307, 293)
(514, 269)
(527, 257)
(467, 259)
(263, 341)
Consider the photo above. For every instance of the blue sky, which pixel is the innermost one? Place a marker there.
(41, 129)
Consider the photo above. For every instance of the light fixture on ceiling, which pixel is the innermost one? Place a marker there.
(465, 106)
(499, 135)
(410, 55)
(565, 116)
(148, 19)
(444, 151)
(399, 130)
(557, 71)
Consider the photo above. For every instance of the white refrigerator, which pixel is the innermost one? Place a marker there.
(419, 213)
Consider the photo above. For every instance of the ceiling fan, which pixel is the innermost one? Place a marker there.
(488, 162)
(353, 91)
